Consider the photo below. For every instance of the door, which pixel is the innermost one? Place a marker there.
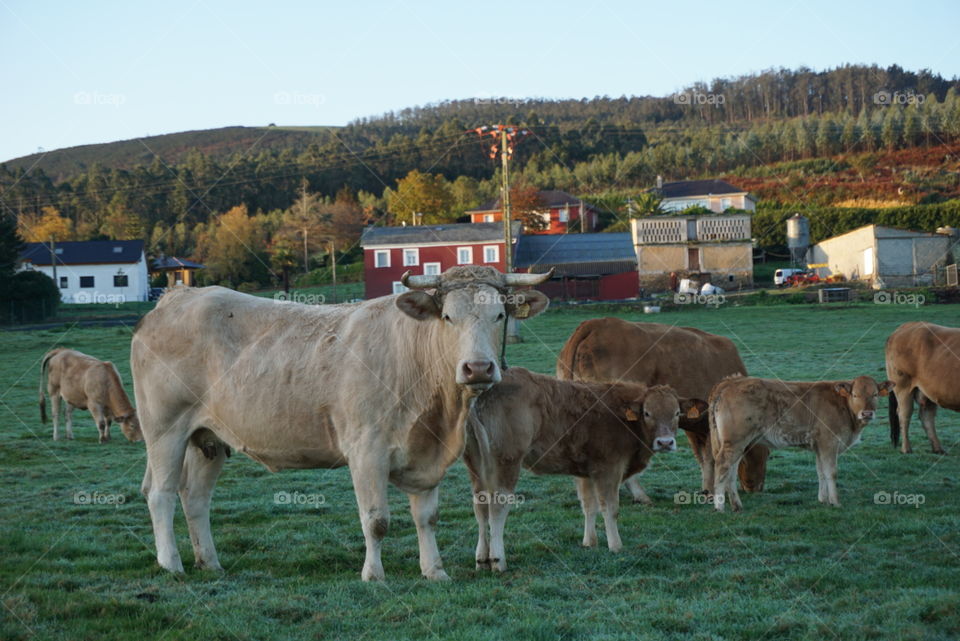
(693, 259)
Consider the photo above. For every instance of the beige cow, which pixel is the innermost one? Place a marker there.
(85, 383)
(601, 433)
(826, 417)
(382, 386)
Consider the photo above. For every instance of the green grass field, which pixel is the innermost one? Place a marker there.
(785, 568)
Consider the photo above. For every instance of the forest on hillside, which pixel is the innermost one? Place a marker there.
(605, 149)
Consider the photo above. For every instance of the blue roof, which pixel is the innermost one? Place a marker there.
(89, 252)
(565, 249)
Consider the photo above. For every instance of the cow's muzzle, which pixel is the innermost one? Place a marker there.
(478, 375)
(866, 415)
(664, 444)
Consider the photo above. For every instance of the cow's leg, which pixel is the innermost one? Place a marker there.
(507, 475)
(904, 411)
(822, 494)
(100, 420)
(196, 489)
(726, 460)
(370, 486)
(165, 458)
(700, 444)
(928, 417)
(106, 428)
(752, 470)
(68, 410)
(424, 508)
(610, 504)
(55, 408)
(588, 502)
(636, 490)
(829, 464)
(481, 511)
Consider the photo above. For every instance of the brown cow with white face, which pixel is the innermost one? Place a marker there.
(85, 383)
(382, 386)
(826, 417)
(600, 433)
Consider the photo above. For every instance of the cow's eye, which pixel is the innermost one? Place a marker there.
(678, 413)
(446, 318)
(501, 316)
(646, 413)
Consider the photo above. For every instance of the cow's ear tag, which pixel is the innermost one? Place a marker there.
(522, 311)
(631, 415)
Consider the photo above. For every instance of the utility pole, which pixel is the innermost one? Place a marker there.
(53, 259)
(506, 137)
(333, 264)
(303, 215)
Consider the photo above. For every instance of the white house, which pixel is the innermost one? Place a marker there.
(716, 195)
(93, 271)
(882, 256)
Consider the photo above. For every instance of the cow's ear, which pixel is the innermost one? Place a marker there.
(527, 304)
(693, 407)
(844, 389)
(418, 305)
(885, 388)
(632, 413)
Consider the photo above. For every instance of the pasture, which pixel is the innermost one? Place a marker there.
(78, 558)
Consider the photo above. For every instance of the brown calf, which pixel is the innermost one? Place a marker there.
(600, 433)
(86, 383)
(826, 417)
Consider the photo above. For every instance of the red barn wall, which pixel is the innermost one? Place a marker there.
(379, 281)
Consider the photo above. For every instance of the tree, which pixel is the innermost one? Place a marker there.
(50, 225)
(420, 193)
(527, 206)
(10, 245)
(231, 247)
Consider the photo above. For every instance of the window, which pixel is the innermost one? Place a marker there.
(119, 280)
(564, 213)
(464, 255)
(381, 258)
(86, 281)
(431, 269)
(488, 218)
(398, 287)
(491, 254)
(63, 282)
(725, 204)
(868, 261)
(118, 250)
(411, 257)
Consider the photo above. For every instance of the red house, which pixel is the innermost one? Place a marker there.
(427, 249)
(562, 212)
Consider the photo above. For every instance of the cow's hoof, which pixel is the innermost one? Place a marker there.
(371, 574)
(615, 548)
(208, 567)
(437, 575)
(644, 500)
(939, 451)
(483, 564)
(175, 566)
(498, 565)
(906, 450)
(589, 543)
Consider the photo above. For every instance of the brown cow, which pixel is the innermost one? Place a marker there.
(922, 361)
(600, 433)
(687, 359)
(86, 383)
(826, 417)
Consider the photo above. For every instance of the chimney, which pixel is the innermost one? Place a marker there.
(659, 181)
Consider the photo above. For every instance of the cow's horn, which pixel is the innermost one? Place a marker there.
(520, 280)
(419, 282)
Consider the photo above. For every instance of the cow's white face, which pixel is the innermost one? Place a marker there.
(861, 395)
(471, 321)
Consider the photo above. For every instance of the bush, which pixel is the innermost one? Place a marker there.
(351, 273)
(28, 296)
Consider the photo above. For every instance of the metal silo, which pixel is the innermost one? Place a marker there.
(798, 238)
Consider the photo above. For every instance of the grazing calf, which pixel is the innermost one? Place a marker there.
(600, 433)
(88, 384)
(826, 417)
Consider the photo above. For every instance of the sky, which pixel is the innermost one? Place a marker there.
(87, 72)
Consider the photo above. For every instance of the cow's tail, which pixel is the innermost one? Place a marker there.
(568, 355)
(894, 420)
(43, 371)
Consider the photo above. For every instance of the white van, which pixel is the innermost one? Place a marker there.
(781, 275)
